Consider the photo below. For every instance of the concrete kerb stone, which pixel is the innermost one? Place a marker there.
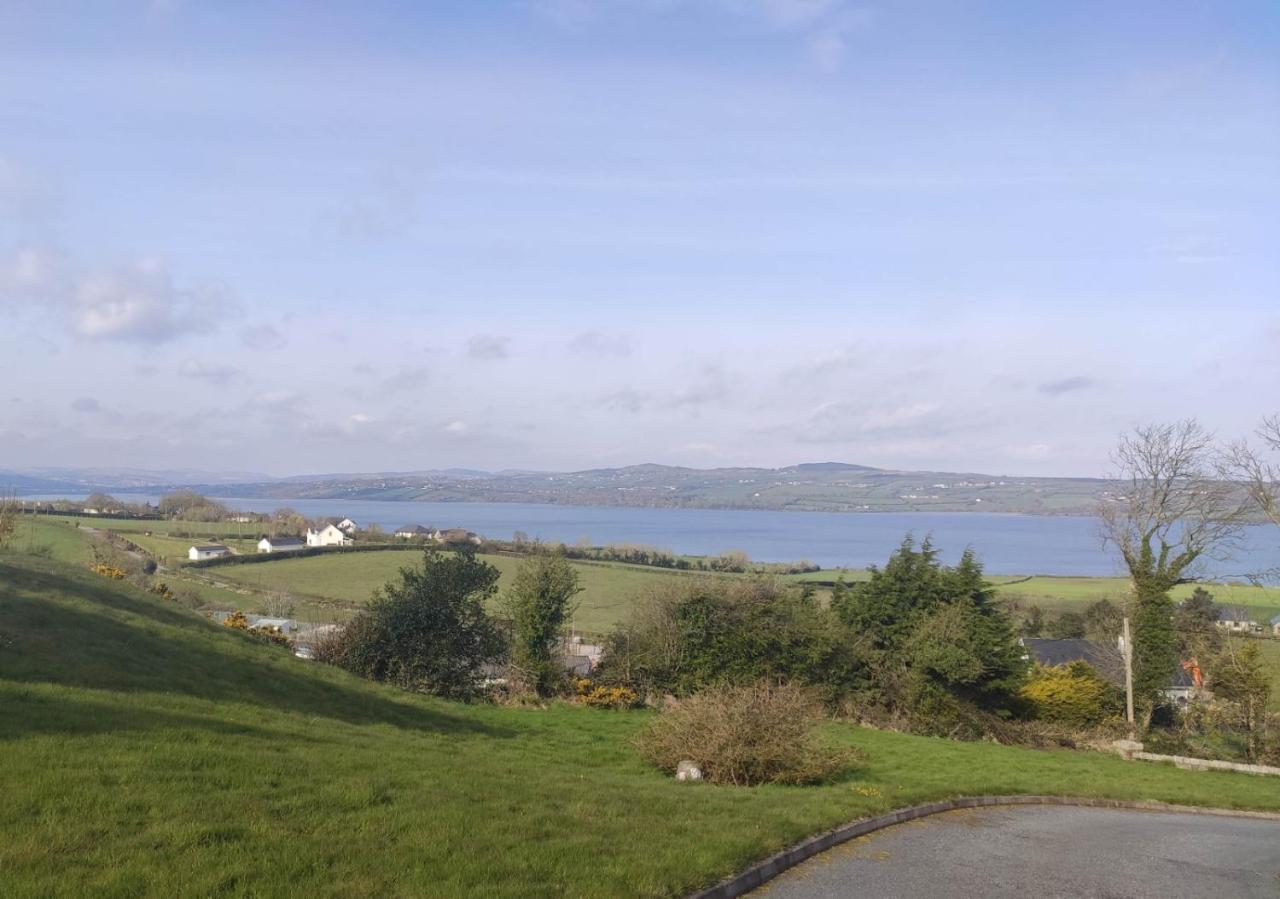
(764, 871)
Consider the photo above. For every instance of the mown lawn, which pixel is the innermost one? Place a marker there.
(147, 752)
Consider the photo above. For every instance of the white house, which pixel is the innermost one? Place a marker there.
(208, 551)
(411, 531)
(347, 526)
(279, 544)
(1236, 620)
(329, 535)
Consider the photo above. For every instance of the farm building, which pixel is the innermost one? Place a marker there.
(279, 544)
(207, 551)
(329, 535)
(456, 535)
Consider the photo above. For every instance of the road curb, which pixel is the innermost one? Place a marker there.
(762, 872)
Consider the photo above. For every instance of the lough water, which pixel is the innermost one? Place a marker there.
(1006, 544)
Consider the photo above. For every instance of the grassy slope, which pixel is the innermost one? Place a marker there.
(148, 752)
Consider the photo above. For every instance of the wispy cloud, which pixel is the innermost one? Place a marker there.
(488, 347)
(1067, 385)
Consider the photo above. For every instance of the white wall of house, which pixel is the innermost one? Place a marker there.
(328, 535)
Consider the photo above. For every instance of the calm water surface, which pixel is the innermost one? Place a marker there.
(1007, 544)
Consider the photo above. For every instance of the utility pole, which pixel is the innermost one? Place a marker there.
(1127, 650)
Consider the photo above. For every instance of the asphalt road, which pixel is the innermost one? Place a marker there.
(1045, 852)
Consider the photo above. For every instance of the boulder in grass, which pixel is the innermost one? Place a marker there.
(688, 770)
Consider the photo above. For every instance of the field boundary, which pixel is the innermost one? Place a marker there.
(762, 872)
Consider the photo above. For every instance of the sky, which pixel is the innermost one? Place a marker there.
(300, 237)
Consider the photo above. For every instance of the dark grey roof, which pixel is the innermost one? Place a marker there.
(209, 547)
(1233, 613)
(1104, 659)
(1275, 619)
(413, 529)
(284, 541)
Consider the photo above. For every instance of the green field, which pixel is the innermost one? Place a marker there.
(148, 752)
(348, 580)
(1064, 593)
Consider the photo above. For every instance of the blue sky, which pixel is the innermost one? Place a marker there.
(572, 233)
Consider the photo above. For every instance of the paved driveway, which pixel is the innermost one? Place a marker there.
(1045, 852)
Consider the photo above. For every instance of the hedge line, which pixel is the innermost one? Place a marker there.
(254, 558)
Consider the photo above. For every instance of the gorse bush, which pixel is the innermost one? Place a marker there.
(1072, 694)
(601, 697)
(746, 735)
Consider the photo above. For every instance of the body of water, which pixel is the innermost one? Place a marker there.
(1006, 544)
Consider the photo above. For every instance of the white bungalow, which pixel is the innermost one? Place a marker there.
(279, 544)
(329, 535)
(1236, 620)
(207, 551)
(414, 531)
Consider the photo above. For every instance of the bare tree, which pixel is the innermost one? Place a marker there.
(1259, 473)
(1171, 511)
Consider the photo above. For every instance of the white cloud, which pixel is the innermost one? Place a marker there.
(140, 302)
(31, 274)
(456, 427)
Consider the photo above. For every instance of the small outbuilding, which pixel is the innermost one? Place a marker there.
(207, 551)
(280, 544)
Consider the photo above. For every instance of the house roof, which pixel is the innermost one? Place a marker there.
(1275, 619)
(1104, 659)
(413, 529)
(1233, 613)
(283, 541)
(210, 547)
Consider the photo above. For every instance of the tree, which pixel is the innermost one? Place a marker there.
(1170, 510)
(1033, 624)
(103, 502)
(1260, 473)
(1238, 675)
(428, 631)
(1196, 622)
(1067, 626)
(539, 603)
(191, 506)
(1103, 622)
(920, 624)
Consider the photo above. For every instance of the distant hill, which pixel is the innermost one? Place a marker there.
(815, 486)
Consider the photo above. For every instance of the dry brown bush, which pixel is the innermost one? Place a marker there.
(746, 735)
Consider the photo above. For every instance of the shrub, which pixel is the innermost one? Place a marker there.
(428, 631)
(162, 590)
(236, 621)
(108, 571)
(1072, 694)
(746, 735)
(695, 634)
(604, 697)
